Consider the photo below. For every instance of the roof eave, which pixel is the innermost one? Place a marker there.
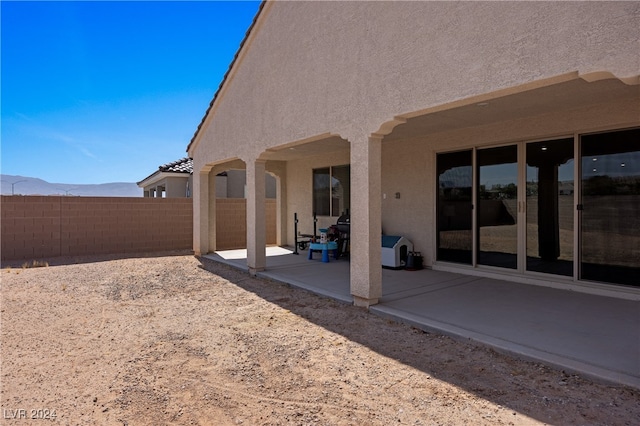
(195, 139)
(159, 175)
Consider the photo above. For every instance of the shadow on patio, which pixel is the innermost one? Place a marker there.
(593, 335)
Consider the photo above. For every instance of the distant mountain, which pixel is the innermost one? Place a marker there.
(33, 186)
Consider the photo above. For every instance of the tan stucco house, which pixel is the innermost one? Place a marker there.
(175, 180)
(171, 180)
(501, 138)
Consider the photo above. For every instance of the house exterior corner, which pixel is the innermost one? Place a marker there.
(501, 139)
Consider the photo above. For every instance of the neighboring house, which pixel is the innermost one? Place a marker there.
(172, 180)
(463, 126)
(175, 180)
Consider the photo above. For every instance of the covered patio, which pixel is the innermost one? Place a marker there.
(589, 334)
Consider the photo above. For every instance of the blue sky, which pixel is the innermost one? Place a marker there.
(96, 92)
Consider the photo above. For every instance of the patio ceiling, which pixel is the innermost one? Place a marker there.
(567, 95)
(558, 97)
(322, 145)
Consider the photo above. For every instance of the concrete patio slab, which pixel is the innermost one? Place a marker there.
(594, 335)
(325, 279)
(590, 334)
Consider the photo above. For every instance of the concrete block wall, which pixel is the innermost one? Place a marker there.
(231, 222)
(271, 217)
(35, 227)
(49, 226)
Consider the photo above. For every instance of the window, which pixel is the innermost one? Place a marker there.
(611, 207)
(497, 218)
(455, 177)
(331, 190)
(527, 204)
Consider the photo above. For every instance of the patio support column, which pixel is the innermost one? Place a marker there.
(281, 209)
(212, 219)
(278, 170)
(366, 221)
(256, 222)
(201, 213)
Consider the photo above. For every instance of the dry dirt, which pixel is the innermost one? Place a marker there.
(160, 340)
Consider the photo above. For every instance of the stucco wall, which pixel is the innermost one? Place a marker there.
(221, 186)
(409, 165)
(176, 187)
(360, 71)
(349, 67)
(300, 191)
(237, 181)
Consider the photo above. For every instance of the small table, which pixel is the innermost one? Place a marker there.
(331, 245)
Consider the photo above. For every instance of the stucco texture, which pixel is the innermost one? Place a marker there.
(349, 67)
(385, 86)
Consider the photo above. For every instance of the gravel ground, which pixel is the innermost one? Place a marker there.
(160, 340)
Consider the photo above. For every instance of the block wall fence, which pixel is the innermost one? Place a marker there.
(37, 227)
(231, 222)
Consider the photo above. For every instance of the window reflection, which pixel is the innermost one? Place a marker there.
(321, 191)
(498, 206)
(550, 207)
(611, 207)
(340, 190)
(331, 190)
(454, 207)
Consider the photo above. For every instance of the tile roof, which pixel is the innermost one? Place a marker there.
(183, 165)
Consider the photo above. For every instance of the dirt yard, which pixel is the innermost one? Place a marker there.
(160, 340)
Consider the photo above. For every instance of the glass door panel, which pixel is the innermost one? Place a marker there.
(455, 236)
(610, 226)
(498, 206)
(550, 206)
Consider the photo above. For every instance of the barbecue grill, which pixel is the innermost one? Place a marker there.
(344, 230)
(343, 224)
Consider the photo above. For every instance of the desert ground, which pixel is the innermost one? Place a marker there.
(160, 340)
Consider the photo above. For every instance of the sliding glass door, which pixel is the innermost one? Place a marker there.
(497, 193)
(610, 231)
(454, 205)
(520, 207)
(550, 207)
